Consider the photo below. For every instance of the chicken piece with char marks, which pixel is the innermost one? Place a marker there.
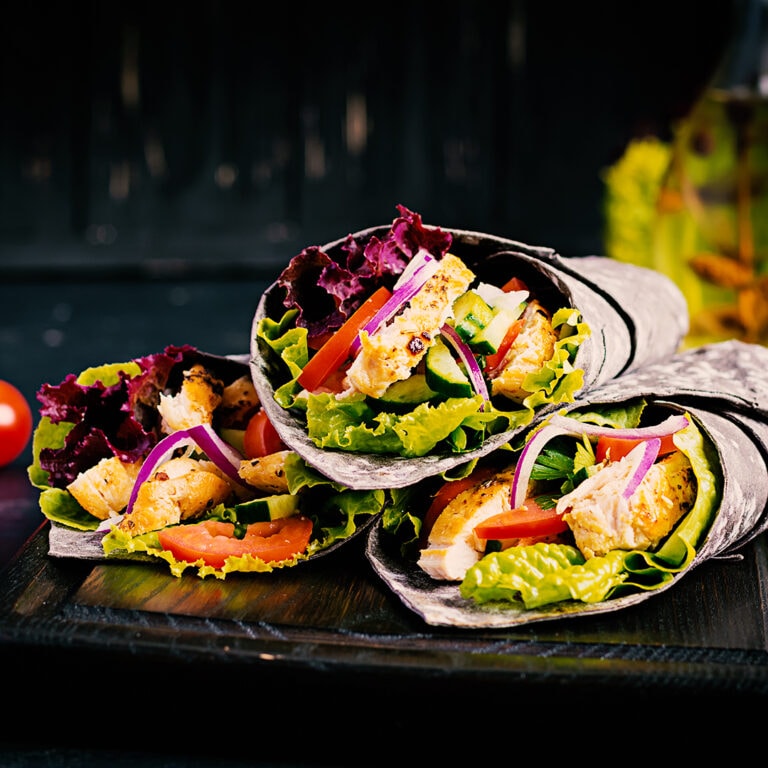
(390, 354)
(180, 489)
(602, 519)
(452, 545)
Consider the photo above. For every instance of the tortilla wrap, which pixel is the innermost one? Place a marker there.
(722, 388)
(636, 317)
(74, 533)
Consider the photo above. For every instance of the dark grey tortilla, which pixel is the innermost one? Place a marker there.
(80, 545)
(757, 430)
(637, 316)
(741, 516)
(730, 374)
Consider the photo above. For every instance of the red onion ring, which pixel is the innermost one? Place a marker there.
(642, 457)
(418, 271)
(564, 425)
(221, 453)
(471, 364)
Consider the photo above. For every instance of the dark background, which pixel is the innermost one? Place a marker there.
(160, 163)
(212, 138)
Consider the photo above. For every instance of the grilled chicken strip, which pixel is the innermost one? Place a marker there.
(601, 519)
(239, 401)
(105, 488)
(267, 473)
(389, 354)
(533, 347)
(452, 546)
(180, 489)
(199, 396)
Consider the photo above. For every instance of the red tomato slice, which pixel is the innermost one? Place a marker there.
(528, 520)
(335, 382)
(526, 541)
(15, 423)
(514, 284)
(335, 351)
(620, 447)
(261, 437)
(213, 542)
(446, 493)
(492, 362)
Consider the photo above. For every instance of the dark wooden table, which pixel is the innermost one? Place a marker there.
(304, 663)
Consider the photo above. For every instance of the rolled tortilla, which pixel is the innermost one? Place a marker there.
(636, 316)
(735, 420)
(78, 534)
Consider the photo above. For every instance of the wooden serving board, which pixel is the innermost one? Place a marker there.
(338, 611)
(329, 638)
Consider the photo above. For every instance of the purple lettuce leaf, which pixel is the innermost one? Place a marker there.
(327, 287)
(116, 420)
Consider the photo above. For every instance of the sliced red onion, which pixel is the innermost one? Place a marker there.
(470, 363)
(669, 426)
(218, 450)
(419, 270)
(641, 457)
(202, 436)
(564, 425)
(527, 459)
(419, 259)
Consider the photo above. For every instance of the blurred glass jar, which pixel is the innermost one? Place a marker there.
(712, 205)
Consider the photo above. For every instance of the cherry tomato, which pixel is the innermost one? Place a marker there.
(261, 438)
(213, 542)
(615, 448)
(15, 423)
(336, 349)
(528, 520)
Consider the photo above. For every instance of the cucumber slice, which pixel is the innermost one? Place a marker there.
(443, 373)
(410, 391)
(470, 314)
(487, 340)
(235, 438)
(267, 508)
